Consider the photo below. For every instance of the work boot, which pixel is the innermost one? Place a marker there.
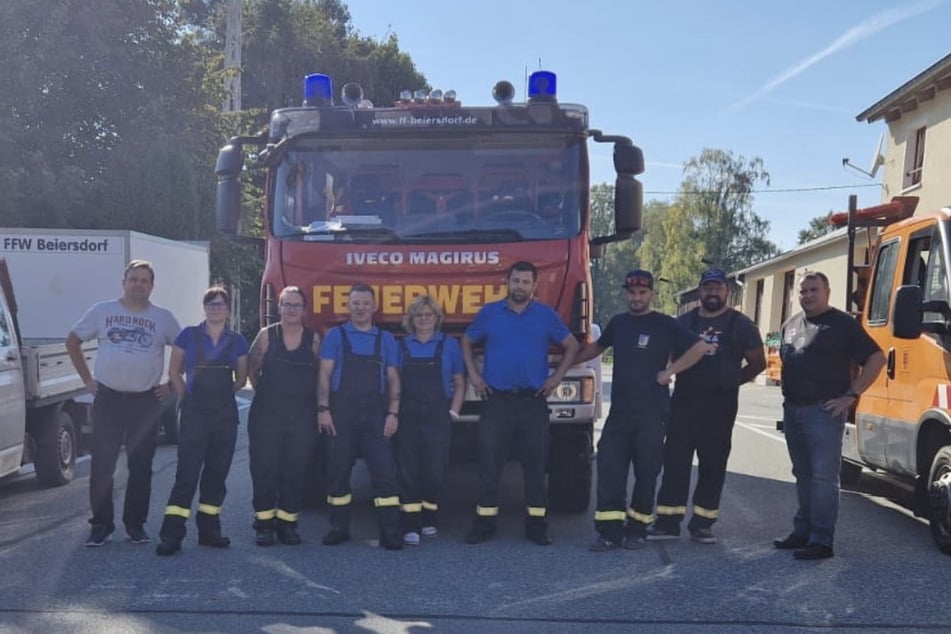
(536, 531)
(215, 540)
(336, 536)
(164, 548)
(480, 533)
(287, 534)
(265, 537)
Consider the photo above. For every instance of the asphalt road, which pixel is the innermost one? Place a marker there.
(886, 574)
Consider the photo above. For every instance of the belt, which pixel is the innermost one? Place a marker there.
(804, 402)
(523, 393)
(124, 394)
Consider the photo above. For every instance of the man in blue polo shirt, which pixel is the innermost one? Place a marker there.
(516, 334)
(358, 404)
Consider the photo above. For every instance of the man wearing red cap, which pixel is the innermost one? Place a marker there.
(644, 342)
(703, 411)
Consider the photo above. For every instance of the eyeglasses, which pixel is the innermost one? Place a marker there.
(216, 304)
(293, 307)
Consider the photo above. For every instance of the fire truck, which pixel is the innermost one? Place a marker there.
(432, 196)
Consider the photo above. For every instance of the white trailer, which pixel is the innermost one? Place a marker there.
(55, 275)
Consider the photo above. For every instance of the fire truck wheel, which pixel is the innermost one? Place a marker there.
(939, 499)
(55, 455)
(570, 471)
(850, 473)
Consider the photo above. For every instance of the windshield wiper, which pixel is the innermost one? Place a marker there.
(474, 235)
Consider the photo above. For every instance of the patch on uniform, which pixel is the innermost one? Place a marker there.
(643, 340)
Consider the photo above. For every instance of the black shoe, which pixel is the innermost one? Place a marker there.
(791, 542)
(99, 535)
(288, 536)
(336, 536)
(657, 533)
(538, 537)
(703, 536)
(391, 543)
(137, 535)
(215, 540)
(164, 549)
(602, 544)
(814, 551)
(265, 537)
(479, 534)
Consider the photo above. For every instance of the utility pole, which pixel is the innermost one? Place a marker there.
(232, 101)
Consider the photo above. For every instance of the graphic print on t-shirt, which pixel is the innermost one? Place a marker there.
(129, 332)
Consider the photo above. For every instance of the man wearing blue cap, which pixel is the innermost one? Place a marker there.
(644, 343)
(703, 411)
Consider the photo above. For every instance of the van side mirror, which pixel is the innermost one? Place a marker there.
(906, 321)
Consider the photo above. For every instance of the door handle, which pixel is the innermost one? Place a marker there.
(890, 368)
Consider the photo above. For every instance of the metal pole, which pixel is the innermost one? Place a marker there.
(849, 281)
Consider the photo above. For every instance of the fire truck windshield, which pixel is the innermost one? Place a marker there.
(389, 190)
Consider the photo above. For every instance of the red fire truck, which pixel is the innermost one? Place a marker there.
(431, 196)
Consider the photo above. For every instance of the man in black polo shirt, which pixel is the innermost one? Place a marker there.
(819, 347)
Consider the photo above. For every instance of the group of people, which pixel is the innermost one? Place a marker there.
(392, 402)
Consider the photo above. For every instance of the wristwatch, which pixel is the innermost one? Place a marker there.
(323, 408)
(394, 414)
(851, 392)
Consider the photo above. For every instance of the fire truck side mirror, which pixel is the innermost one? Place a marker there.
(628, 159)
(907, 321)
(228, 198)
(628, 203)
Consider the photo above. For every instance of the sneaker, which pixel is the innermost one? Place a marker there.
(430, 531)
(479, 534)
(98, 536)
(634, 542)
(602, 544)
(813, 551)
(137, 535)
(791, 542)
(656, 533)
(703, 536)
(411, 538)
(164, 549)
(265, 537)
(336, 536)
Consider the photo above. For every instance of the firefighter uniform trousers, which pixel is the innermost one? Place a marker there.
(209, 428)
(282, 433)
(701, 423)
(359, 413)
(629, 437)
(513, 419)
(422, 442)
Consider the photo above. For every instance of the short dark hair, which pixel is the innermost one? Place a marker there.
(139, 264)
(214, 293)
(362, 288)
(815, 275)
(523, 266)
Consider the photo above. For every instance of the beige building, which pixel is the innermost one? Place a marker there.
(915, 160)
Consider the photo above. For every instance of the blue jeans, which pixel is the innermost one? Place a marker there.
(814, 440)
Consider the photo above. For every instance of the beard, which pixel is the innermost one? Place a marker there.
(712, 303)
(519, 297)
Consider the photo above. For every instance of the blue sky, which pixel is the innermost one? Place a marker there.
(782, 81)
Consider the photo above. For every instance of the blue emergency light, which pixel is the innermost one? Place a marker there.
(542, 86)
(318, 90)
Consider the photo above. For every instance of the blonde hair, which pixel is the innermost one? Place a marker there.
(421, 302)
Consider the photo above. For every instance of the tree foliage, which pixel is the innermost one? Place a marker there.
(817, 227)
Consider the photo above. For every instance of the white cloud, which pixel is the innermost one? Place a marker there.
(864, 29)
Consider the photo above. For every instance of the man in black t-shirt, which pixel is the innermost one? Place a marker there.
(703, 411)
(819, 347)
(644, 342)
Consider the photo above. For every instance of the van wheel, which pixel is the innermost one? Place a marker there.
(850, 473)
(55, 449)
(939, 499)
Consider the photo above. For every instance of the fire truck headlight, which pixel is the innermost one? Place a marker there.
(567, 392)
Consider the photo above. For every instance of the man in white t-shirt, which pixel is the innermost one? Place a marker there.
(132, 334)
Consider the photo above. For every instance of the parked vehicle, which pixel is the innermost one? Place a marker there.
(49, 278)
(902, 423)
(431, 196)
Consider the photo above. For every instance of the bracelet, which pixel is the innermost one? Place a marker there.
(393, 414)
(851, 393)
(323, 408)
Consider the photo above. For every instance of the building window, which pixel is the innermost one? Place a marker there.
(758, 306)
(914, 159)
(789, 284)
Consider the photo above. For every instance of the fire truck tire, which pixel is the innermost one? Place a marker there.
(55, 448)
(939, 499)
(850, 473)
(570, 472)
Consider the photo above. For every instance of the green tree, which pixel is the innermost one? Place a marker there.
(711, 221)
(817, 227)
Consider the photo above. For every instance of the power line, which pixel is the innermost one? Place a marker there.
(770, 191)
